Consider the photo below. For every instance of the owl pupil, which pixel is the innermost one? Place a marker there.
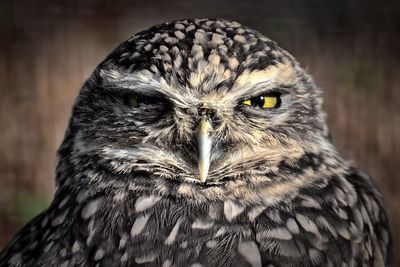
(257, 101)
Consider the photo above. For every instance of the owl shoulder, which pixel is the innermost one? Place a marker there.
(371, 218)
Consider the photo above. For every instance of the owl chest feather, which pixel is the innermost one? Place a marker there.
(151, 230)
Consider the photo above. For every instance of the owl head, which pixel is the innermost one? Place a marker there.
(195, 107)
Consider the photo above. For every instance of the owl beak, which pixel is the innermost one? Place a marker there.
(204, 143)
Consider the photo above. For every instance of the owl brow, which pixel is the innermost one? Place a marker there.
(140, 90)
(134, 86)
(262, 89)
(114, 81)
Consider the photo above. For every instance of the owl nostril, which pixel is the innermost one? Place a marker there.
(211, 114)
(215, 121)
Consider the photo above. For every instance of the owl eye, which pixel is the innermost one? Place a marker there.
(264, 101)
(136, 101)
(131, 101)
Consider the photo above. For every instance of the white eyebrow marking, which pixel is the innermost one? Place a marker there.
(141, 81)
(146, 82)
(251, 83)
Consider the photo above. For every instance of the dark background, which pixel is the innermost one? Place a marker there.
(48, 48)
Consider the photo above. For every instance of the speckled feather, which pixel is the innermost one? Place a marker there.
(277, 194)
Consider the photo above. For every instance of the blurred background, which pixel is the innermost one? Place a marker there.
(48, 48)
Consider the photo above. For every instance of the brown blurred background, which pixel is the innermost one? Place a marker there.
(48, 48)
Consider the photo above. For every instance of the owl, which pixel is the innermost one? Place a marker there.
(201, 142)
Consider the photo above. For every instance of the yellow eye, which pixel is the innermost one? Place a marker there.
(270, 101)
(265, 101)
(247, 102)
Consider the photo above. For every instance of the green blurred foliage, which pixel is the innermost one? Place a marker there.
(26, 206)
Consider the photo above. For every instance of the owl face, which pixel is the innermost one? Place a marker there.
(208, 103)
